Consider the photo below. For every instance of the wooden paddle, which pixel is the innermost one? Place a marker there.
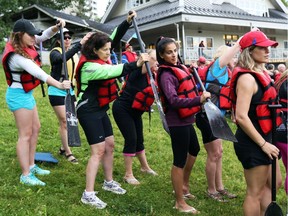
(71, 117)
(152, 81)
(274, 209)
(218, 124)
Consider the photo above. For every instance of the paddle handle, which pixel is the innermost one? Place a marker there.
(273, 109)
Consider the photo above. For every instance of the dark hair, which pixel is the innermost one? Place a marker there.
(270, 67)
(97, 41)
(161, 44)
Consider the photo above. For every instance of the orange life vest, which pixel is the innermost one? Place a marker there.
(187, 88)
(224, 94)
(108, 89)
(28, 81)
(263, 113)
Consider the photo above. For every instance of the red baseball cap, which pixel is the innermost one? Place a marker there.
(256, 38)
(127, 45)
(202, 59)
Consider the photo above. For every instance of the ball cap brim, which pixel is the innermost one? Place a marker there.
(256, 38)
(23, 25)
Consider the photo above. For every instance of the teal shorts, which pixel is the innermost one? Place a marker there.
(17, 98)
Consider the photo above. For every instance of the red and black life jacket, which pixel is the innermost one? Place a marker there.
(224, 94)
(28, 81)
(144, 98)
(108, 89)
(263, 113)
(187, 89)
(131, 56)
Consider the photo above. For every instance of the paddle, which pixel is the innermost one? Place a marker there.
(152, 81)
(273, 209)
(218, 124)
(71, 118)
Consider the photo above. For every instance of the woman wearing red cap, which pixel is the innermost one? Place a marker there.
(21, 65)
(252, 92)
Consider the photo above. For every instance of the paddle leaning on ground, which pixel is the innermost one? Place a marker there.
(152, 81)
(217, 121)
(273, 209)
(71, 118)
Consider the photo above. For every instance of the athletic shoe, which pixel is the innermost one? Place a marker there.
(31, 180)
(38, 171)
(93, 200)
(113, 186)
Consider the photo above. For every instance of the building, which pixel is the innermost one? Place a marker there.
(216, 22)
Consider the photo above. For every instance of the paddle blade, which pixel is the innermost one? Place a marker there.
(72, 123)
(273, 210)
(218, 124)
(162, 116)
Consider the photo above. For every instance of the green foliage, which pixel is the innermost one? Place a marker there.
(65, 184)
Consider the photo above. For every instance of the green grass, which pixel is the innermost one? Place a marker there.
(65, 184)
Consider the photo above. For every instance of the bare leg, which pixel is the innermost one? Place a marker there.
(128, 160)
(143, 160)
(108, 158)
(187, 172)
(97, 153)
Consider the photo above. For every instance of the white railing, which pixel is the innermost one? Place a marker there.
(192, 54)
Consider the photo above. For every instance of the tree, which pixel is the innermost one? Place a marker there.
(9, 7)
(285, 2)
(81, 9)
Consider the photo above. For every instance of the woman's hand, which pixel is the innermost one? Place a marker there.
(59, 22)
(204, 96)
(270, 149)
(143, 57)
(130, 16)
(85, 38)
(66, 84)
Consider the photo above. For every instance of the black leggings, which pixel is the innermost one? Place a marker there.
(184, 140)
(129, 122)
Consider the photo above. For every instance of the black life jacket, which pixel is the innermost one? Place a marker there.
(108, 89)
(28, 81)
(263, 113)
(187, 88)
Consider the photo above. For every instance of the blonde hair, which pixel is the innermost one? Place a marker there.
(246, 61)
(16, 42)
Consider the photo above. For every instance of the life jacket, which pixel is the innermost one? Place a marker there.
(144, 98)
(263, 113)
(131, 56)
(224, 101)
(108, 89)
(187, 89)
(28, 81)
(71, 63)
(282, 99)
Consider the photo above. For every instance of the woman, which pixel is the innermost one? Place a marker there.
(21, 65)
(56, 96)
(252, 91)
(180, 102)
(95, 90)
(215, 79)
(282, 88)
(136, 97)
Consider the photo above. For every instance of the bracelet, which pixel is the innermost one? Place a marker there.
(263, 144)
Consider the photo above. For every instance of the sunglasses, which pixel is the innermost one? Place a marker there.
(67, 37)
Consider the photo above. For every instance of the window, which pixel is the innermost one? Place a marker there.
(285, 44)
(230, 39)
(193, 42)
(194, 50)
(135, 3)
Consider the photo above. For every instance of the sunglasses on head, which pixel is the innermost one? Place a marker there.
(67, 37)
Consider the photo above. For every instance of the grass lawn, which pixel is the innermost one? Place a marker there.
(65, 184)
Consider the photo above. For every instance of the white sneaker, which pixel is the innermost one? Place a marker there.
(93, 200)
(114, 187)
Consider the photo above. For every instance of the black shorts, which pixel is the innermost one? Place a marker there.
(59, 100)
(184, 140)
(248, 152)
(202, 123)
(96, 128)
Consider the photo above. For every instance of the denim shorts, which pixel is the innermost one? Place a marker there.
(17, 98)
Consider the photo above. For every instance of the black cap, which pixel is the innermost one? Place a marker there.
(23, 25)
